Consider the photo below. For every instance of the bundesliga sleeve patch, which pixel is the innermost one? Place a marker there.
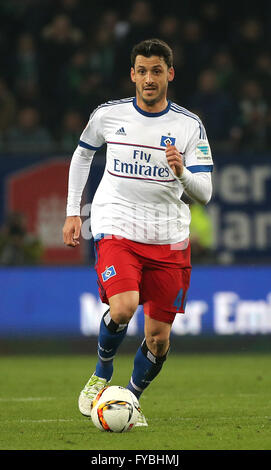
(203, 152)
(108, 273)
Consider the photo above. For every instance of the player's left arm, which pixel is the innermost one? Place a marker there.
(198, 185)
(194, 167)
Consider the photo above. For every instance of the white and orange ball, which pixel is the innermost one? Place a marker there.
(115, 409)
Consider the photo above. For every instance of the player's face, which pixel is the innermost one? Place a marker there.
(151, 76)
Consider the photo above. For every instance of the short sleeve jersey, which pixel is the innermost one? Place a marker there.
(139, 197)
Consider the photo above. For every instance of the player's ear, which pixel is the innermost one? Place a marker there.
(171, 74)
(132, 74)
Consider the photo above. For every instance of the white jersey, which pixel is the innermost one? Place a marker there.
(139, 197)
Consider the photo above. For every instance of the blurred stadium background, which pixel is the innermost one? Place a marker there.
(59, 59)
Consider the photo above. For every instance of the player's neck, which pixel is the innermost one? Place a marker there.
(152, 108)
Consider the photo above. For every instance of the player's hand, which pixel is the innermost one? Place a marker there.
(71, 231)
(174, 159)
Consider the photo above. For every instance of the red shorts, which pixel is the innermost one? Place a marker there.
(160, 273)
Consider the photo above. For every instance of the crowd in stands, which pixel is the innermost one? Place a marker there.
(59, 59)
(17, 246)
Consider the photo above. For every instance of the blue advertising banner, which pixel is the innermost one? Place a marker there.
(64, 301)
(240, 208)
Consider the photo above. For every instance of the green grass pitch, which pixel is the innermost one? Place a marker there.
(198, 402)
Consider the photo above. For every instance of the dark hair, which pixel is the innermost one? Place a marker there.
(150, 47)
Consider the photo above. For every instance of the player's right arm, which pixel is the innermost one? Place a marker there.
(71, 230)
(78, 175)
(90, 141)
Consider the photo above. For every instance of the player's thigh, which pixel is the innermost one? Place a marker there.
(119, 272)
(164, 292)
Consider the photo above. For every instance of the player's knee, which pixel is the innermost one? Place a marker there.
(122, 315)
(122, 309)
(158, 342)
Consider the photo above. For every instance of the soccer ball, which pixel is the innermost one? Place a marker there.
(115, 409)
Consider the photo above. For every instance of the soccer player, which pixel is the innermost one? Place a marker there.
(156, 150)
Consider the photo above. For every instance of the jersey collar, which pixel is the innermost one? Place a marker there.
(146, 113)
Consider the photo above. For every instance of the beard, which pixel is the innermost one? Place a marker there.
(151, 101)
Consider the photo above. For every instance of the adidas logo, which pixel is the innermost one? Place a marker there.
(121, 131)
